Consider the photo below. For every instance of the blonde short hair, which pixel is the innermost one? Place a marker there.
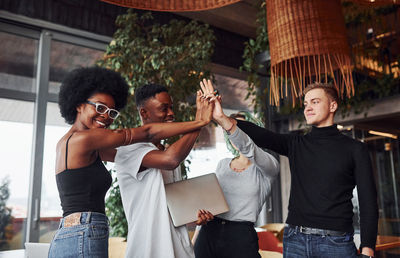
(329, 89)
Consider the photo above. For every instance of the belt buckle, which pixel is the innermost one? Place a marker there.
(72, 220)
(306, 230)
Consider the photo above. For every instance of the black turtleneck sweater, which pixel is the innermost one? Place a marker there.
(325, 167)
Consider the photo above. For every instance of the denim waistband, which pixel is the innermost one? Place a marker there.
(86, 218)
(317, 231)
(217, 220)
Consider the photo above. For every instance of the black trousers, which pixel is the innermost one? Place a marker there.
(223, 238)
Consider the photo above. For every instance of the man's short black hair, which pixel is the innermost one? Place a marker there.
(143, 93)
(80, 84)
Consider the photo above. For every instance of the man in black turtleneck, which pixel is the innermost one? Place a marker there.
(325, 167)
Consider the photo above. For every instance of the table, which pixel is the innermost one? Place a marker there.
(387, 242)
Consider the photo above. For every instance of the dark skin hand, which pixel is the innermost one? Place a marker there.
(203, 217)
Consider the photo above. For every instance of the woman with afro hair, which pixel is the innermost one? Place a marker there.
(90, 100)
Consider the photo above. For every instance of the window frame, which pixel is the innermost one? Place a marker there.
(45, 33)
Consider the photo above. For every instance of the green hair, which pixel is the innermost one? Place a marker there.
(247, 116)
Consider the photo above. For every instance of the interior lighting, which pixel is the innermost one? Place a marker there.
(389, 135)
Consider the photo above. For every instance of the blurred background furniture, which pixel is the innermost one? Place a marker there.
(387, 242)
(267, 241)
(116, 247)
(276, 228)
(270, 254)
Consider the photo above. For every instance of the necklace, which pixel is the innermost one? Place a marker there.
(240, 168)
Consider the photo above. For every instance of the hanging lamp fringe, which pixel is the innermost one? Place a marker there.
(308, 43)
(301, 71)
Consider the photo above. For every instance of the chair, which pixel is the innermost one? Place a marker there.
(268, 242)
(276, 228)
(270, 254)
(116, 247)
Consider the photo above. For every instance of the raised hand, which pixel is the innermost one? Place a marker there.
(198, 105)
(218, 114)
(211, 95)
(204, 108)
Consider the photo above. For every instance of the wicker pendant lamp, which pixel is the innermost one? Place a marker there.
(172, 5)
(376, 2)
(308, 43)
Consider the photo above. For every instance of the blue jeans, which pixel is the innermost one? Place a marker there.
(300, 245)
(89, 239)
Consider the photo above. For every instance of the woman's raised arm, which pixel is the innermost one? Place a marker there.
(96, 139)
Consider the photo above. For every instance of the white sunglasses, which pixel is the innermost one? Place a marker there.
(102, 109)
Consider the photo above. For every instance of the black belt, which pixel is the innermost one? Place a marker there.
(317, 231)
(224, 221)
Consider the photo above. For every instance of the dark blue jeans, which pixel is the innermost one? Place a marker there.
(222, 238)
(300, 245)
(89, 239)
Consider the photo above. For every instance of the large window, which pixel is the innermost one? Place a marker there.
(18, 62)
(15, 154)
(27, 111)
(65, 57)
(17, 76)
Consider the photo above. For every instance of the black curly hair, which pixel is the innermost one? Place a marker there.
(81, 83)
(147, 91)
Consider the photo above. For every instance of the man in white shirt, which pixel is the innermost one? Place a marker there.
(142, 171)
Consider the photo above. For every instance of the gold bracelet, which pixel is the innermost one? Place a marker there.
(130, 137)
(127, 132)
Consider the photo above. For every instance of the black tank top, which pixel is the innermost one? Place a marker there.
(83, 189)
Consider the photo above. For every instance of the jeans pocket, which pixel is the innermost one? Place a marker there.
(337, 246)
(340, 240)
(98, 231)
(67, 243)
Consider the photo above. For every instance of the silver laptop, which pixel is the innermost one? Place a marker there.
(185, 198)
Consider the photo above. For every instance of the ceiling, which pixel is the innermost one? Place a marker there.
(238, 18)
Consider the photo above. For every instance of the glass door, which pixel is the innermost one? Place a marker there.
(384, 152)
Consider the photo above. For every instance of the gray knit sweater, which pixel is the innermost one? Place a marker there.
(246, 191)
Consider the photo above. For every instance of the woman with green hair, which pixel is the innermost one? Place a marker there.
(246, 182)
